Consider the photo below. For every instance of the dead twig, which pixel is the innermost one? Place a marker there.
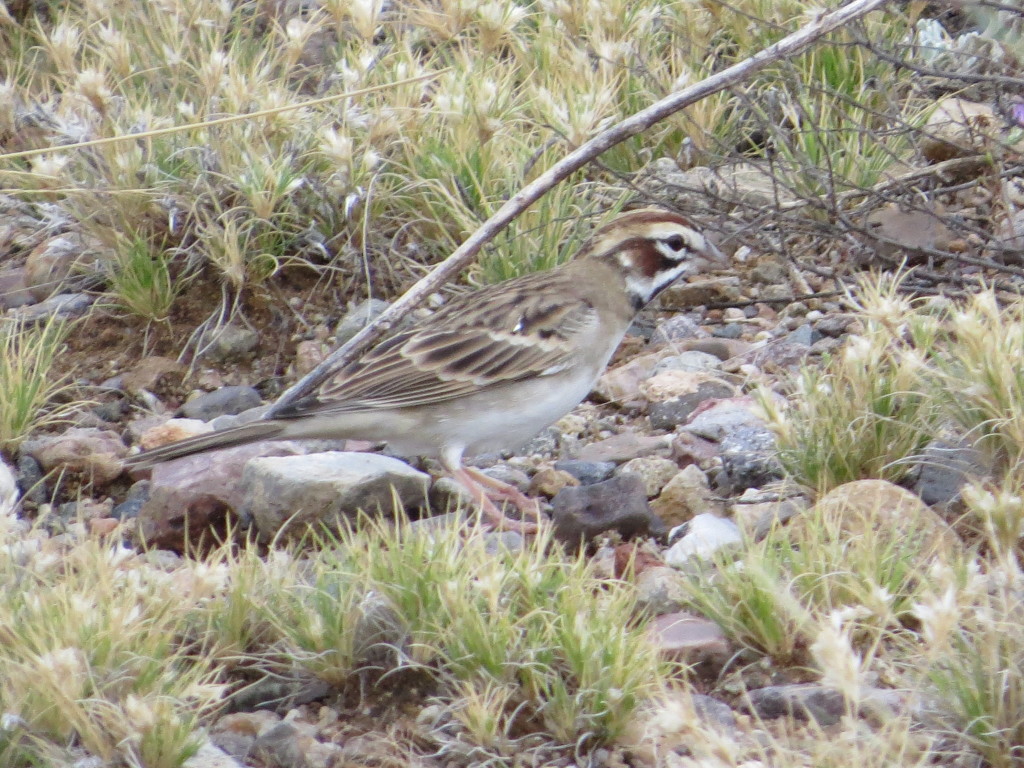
(631, 126)
(953, 166)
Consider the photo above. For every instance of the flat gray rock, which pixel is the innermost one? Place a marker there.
(723, 417)
(801, 701)
(220, 402)
(291, 492)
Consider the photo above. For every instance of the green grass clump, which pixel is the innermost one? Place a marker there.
(141, 280)
(32, 378)
(982, 375)
(920, 610)
(913, 371)
(775, 596)
(978, 671)
(106, 656)
(869, 409)
(91, 660)
(543, 645)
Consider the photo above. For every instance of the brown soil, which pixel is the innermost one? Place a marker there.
(108, 341)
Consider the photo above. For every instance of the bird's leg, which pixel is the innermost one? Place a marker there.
(478, 484)
(506, 492)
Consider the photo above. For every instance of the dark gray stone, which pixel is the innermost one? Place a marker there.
(945, 467)
(63, 305)
(31, 480)
(276, 693)
(804, 336)
(750, 457)
(357, 318)
(220, 402)
(728, 331)
(584, 512)
(714, 712)
(833, 325)
(232, 342)
(279, 747)
(138, 495)
(587, 472)
(112, 410)
(802, 701)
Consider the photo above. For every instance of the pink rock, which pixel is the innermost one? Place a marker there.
(96, 453)
(198, 497)
(691, 640)
(625, 446)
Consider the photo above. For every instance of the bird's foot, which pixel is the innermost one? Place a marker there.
(486, 490)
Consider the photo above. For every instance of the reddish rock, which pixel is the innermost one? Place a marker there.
(96, 453)
(171, 432)
(51, 264)
(308, 355)
(198, 497)
(625, 446)
(691, 640)
(151, 371)
(103, 526)
(632, 559)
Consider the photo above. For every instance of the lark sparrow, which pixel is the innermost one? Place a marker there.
(493, 367)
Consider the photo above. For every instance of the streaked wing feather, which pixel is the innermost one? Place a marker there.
(498, 334)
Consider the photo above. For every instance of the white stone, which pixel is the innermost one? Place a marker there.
(706, 534)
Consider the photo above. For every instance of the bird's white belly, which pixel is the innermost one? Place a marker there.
(495, 419)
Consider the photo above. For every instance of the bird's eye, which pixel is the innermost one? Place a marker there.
(676, 242)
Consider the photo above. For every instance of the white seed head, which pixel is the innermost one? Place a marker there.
(939, 616)
(364, 15)
(336, 146)
(63, 44)
(833, 653)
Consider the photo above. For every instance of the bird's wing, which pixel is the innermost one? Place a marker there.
(518, 329)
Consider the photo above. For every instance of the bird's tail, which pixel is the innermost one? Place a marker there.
(226, 438)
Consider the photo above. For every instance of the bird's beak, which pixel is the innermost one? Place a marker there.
(710, 258)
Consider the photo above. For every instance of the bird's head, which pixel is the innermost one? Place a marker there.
(652, 248)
